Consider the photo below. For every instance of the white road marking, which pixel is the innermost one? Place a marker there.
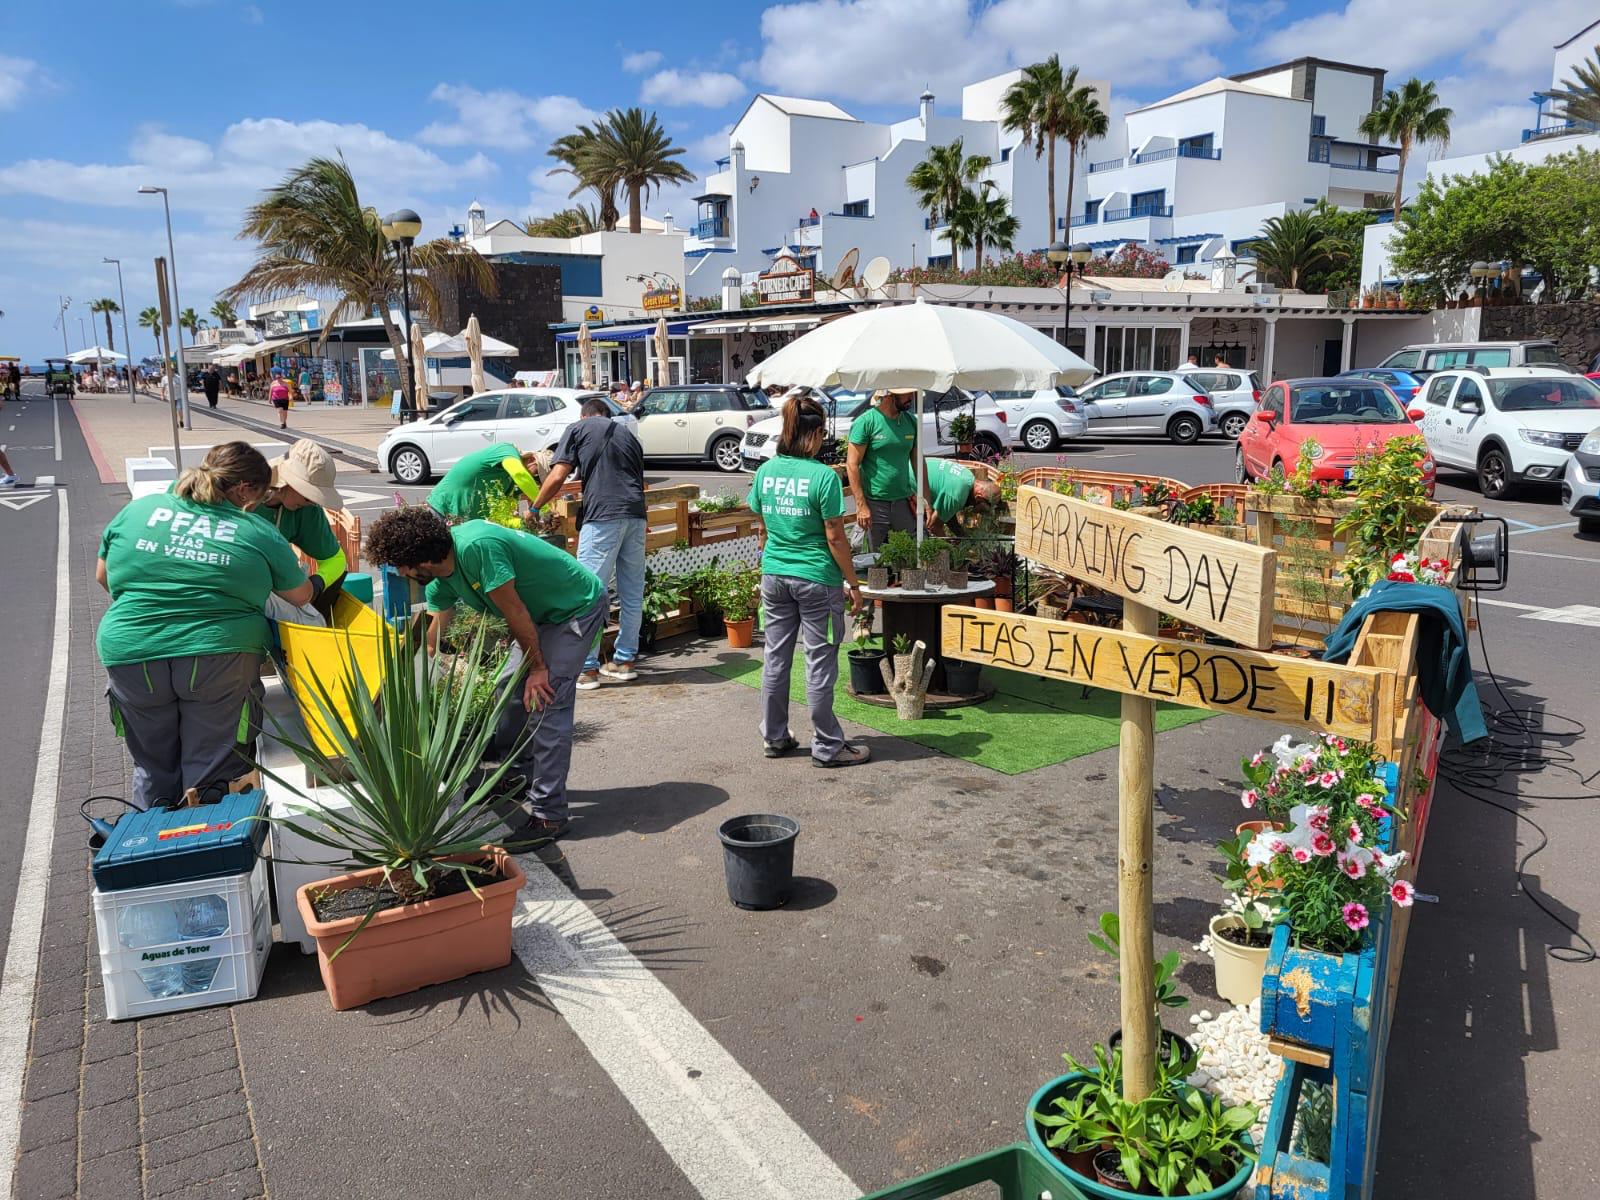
(45, 481)
(1509, 604)
(56, 411)
(352, 497)
(731, 1139)
(17, 503)
(1593, 562)
(1571, 614)
(1543, 528)
(33, 874)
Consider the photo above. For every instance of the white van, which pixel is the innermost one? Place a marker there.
(1427, 358)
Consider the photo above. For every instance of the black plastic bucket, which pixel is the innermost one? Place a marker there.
(758, 859)
(961, 678)
(866, 677)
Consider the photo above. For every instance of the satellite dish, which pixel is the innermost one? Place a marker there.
(844, 274)
(1172, 281)
(876, 274)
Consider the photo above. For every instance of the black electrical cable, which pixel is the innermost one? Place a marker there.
(1516, 746)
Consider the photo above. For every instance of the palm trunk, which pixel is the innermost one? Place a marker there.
(977, 250)
(1400, 178)
(1050, 202)
(634, 215)
(111, 343)
(401, 361)
(1072, 174)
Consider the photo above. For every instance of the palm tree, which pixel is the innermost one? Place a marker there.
(574, 151)
(150, 319)
(982, 219)
(315, 235)
(1579, 97)
(632, 151)
(223, 312)
(941, 179)
(1292, 246)
(1048, 104)
(1412, 114)
(568, 223)
(192, 321)
(106, 306)
(1081, 119)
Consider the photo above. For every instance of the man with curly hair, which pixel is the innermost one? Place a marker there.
(554, 607)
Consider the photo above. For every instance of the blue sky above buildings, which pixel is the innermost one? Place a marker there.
(436, 104)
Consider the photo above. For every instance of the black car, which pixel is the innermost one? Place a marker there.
(699, 420)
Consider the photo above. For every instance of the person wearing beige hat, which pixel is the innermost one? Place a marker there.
(296, 505)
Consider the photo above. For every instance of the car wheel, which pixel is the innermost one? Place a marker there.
(1039, 436)
(1494, 475)
(1241, 473)
(725, 454)
(988, 446)
(1232, 424)
(1184, 430)
(409, 465)
(1589, 525)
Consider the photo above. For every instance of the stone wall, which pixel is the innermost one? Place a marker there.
(1574, 328)
(527, 303)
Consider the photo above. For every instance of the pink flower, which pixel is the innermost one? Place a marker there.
(1402, 893)
(1322, 845)
(1300, 854)
(1256, 758)
(1306, 766)
(1272, 788)
(1317, 818)
(1340, 744)
(1248, 797)
(1367, 800)
(1278, 845)
(1355, 915)
(1352, 866)
(1353, 834)
(1328, 778)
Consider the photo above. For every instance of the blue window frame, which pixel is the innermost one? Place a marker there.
(856, 208)
(1091, 211)
(1144, 203)
(1005, 153)
(1186, 254)
(1319, 126)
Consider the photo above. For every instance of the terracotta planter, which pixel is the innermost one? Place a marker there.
(1252, 828)
(413, 946)
(1002, 587)
(1003, 604)
(741, 634)
(983, 602)
(1239, 968)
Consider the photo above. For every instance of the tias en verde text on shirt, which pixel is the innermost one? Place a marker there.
(188, 535)
(788, 497)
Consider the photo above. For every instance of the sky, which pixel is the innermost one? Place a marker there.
(441, 104)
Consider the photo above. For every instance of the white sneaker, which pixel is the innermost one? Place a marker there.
(8, 481)
(588, 681)
(619, 670)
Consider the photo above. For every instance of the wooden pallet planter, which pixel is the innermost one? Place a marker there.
(1098, 486)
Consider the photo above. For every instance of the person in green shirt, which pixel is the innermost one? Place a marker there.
(554, 607)
(955, 489)
(881, 466)
(189, 572)
(806, 573)
(481, 477)
(296, 504)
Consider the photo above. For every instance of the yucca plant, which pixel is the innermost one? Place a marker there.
(401, 759)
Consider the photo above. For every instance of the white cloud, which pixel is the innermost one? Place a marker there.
(704, 89)
(18, 76)
(503, 119)
(706, 150)
(643, 60)
(152, 144)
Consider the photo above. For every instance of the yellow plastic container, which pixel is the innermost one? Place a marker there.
(327, 654)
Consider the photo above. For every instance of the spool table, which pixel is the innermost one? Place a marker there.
(918, 616)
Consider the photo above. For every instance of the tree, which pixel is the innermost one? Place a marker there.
(1293, 246)
(568, 223)
(222, 312)
(106, 306)
(1035, 107)
(575, 153)
(1407, 116)
(1082, 119)
(315, 235)
(191, 320)
(1131, 261)
(941, 179)
(982, 218)
(631, 151)
(1578, 99)
(1342, 229)
(150, 319)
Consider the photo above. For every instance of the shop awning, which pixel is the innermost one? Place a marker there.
(776, 321)
(234, 355)
(627, 333)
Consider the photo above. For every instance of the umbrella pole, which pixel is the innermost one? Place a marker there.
(922, 476)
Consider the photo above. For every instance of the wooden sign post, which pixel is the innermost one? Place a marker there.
(1136, 765)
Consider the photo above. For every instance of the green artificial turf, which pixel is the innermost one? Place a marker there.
(1030, 722)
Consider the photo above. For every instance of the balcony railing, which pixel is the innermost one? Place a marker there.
(1133, 214)
(723, 162)
(1553, 131)
(935, 222)
(1133, 160)
(804, 222)
(1109, 164)
(711, 227)
(1081, 219)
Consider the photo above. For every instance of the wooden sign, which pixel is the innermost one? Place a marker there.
(1210, 582)
(1327, 697)
(792, 284)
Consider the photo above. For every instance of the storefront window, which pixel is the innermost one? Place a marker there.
(705, 360)
(1136, 348)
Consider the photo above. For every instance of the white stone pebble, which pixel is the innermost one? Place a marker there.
(1234, 1060)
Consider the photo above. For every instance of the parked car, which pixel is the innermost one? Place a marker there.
(1343, 418)
(1508, 425)
(1235, 395)
(701, 421)
(1041, 420)
(761, 439)
(1580, 488)
(1439, 356)
(1148, 402)
(531, 419)
(1404, 384)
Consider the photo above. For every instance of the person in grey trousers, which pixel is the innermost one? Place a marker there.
(806, 575)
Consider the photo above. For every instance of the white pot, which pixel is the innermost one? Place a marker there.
(1239, 968)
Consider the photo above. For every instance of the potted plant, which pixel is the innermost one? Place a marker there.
(1000, 565)
(899, 554)
(1240, 936)
(547, 526)
(700, 588)
(1109, 941)
(934, 558)
(865, 653)
(738, 596)
(1390, 509)
(663, 593)
(963, 431)
(429, 899)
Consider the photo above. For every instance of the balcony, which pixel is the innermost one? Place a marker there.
(1110, 164)
(711, 227)
(1081, 219)
(805, 222)
(935, 222)
(1555, 131)
(1207, 153)
(1133, 214)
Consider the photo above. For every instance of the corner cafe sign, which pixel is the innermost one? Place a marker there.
(790, 283)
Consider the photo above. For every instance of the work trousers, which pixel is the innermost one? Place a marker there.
(189, 722)
(801, 608)
(614, 550)
(889, 516)
(546, 755)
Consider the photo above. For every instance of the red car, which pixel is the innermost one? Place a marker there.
(1344, 417)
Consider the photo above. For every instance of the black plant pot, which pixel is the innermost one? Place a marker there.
(866, 677)
(1168, 1038)
(961, 678)
(709, 622)
(647, 636)
(758, 859)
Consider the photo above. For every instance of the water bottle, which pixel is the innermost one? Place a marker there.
(153, 924)
(202, 917)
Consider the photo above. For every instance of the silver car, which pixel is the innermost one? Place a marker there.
(1235, 395)
(1148, 403)
(1580, 487)
(1041, 420)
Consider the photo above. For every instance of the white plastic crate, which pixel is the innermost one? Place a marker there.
(183, 945)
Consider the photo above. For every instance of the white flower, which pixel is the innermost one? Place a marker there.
(1262, 848)
(1289, 754)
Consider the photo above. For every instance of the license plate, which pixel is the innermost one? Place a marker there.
(1347, 473)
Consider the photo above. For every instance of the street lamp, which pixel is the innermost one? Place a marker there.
(181, 389)
(1483, 272)
(401, 228)
(1068, 259)
(127, 342)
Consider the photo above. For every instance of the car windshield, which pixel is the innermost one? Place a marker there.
(1526, 395)
(1542, 356)
(755, 398)
(1356, 404)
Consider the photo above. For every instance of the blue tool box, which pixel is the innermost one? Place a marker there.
(168, 845)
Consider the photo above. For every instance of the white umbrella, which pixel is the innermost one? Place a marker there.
(475, 354)
(585, 354)
(95, 354)
(663, 354)
(926, 347)
(431, 345)
(419, 369)
(456, 347)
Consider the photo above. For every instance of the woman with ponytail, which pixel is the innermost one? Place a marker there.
(189, 572)
(806, 573)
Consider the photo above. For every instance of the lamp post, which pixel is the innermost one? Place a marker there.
(401, 228)
(1483, 272)
(61, 319)
(127, 342)
(1070, 260)
(181, 390)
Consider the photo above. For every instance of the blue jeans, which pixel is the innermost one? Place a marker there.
(617, 548)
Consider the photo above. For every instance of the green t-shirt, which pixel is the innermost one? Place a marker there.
(793, 497)
(553, 585)
(305, 528)
(189, 578)
(467, 488)
(886, 470)
(950, 485)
